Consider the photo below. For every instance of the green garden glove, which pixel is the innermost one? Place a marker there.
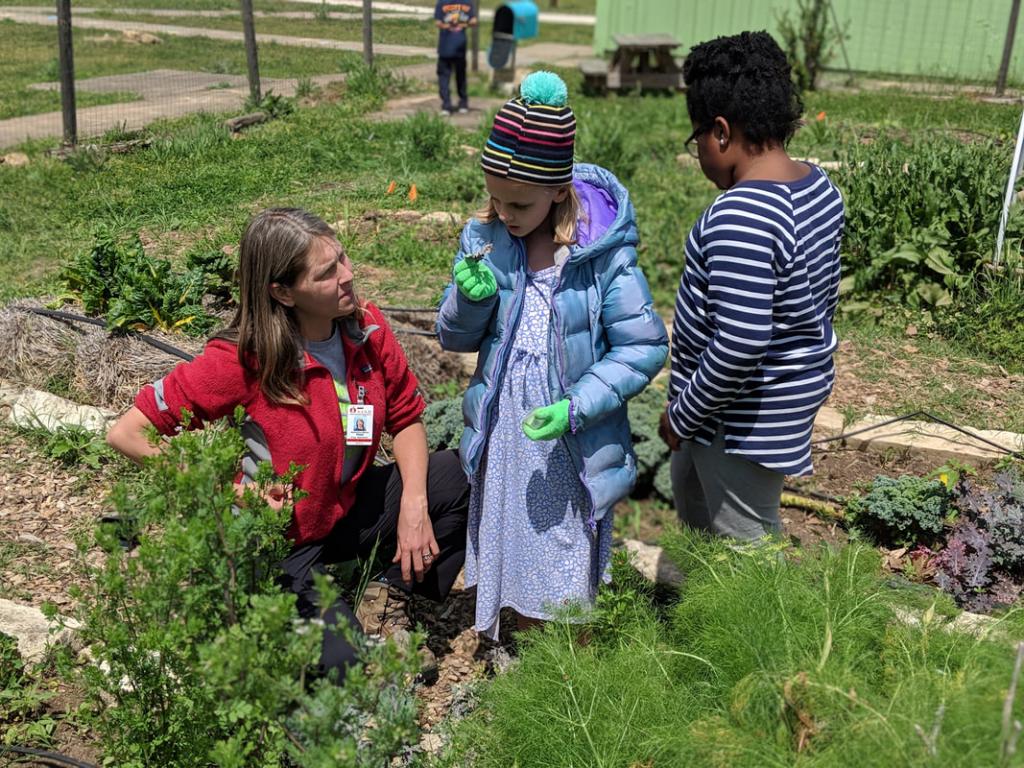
(549, 422)
(475, 280)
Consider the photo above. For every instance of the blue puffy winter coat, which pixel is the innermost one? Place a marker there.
(606, 341)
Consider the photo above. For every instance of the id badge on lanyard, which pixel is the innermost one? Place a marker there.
(360, 422)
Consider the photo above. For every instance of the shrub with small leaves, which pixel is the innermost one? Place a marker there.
(200, 657)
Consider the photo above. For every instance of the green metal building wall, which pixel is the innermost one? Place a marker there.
(945, 38)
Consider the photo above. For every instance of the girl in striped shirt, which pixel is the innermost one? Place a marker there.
(752, 338)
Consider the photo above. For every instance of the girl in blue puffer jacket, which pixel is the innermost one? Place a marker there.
(547, 290)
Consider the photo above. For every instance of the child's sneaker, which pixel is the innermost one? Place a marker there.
(384, 612)
(463, 110)
(446, 113)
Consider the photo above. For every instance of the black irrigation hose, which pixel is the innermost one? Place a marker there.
(929, 416)
(44, 756)
(170, 349)
(163, 346)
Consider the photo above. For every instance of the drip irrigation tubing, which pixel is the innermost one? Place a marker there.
(55, 758)
(163, 346)
(170, 349)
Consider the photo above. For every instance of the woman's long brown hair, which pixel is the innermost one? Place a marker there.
(273, 250)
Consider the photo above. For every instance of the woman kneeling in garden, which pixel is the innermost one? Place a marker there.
(320, 375)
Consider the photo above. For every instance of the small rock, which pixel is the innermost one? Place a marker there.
(14, 159)
(911, 330)
(142, 38)
(442, 217)
(30, 628)
(30, 538)
(470, 151)
(431, 743)
(405, 216)
(652, 563)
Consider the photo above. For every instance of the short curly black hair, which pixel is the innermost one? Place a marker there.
(746, 79)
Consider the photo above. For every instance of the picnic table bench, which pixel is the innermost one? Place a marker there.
(638, 61)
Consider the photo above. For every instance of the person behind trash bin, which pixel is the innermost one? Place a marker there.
(547, 289)
(451, 20)
(752, 340)
(302, 355)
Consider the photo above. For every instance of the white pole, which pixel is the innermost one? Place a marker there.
(1008, 200)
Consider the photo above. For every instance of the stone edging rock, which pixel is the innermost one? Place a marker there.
(919, 437)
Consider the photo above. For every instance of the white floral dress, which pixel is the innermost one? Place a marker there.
(531, 545)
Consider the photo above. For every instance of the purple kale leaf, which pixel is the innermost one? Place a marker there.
(964, 567)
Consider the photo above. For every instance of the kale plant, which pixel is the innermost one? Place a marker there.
(983, 559)
(902, 512)
(443, 420)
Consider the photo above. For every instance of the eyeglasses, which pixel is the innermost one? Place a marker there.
(691, 143)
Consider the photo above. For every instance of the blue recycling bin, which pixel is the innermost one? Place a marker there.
(514, 21)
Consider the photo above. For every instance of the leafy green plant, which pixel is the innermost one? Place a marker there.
(429, 138)
(273, 104)
(22, 700)
(73, 446)
(902, 511)
(808, 41)
(373, 84)
(919, 218)
(200, 657)
(219, 268)
(305, 88)
(136, 291)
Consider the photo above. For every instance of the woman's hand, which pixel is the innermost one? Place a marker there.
(417, 546)
(276, 495)
(665, 432)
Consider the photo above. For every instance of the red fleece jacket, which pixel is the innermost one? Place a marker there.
(213, 384)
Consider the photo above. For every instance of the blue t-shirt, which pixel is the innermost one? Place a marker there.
(451, 44)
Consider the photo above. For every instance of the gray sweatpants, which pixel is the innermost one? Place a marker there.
(725, 493)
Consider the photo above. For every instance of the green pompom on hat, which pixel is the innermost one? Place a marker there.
(544, 88)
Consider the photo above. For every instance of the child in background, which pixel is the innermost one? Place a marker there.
(752, 336)
(451, 19)
(547, 290)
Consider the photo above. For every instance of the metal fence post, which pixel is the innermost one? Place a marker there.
(66, 57)
(367, 33)
(1011, 33)
(251, 58)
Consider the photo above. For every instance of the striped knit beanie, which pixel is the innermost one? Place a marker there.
(532, 137)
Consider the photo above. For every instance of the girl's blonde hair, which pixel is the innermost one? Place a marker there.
(564, 216)
(274, 249)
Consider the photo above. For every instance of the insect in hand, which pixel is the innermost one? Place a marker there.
(481, 253)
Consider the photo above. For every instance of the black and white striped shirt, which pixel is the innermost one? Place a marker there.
(752, 338)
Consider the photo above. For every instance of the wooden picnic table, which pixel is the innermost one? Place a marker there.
(639, 61)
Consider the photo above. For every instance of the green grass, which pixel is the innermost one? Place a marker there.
(952, 379)
(764, 661)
